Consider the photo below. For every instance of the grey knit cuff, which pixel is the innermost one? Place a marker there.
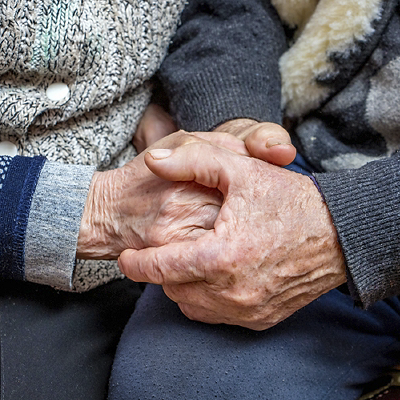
(53, 224)
(365, 208)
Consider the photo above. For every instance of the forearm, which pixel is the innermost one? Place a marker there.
(223, 64)
(364, 206)
(100, 236)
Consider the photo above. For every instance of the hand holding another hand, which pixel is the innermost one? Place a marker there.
(130, 207)
(273, 248)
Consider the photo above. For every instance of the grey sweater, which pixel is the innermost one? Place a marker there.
(104, 53)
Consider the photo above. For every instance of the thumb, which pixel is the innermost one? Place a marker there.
(269, 142)
(171, 264)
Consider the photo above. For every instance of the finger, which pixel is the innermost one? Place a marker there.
(279, 154)
(139, 144)
(201, 162)
(196, 302)
(191, 293)
(146, 136)
(173, 263)
(270, 142)
(209, 316)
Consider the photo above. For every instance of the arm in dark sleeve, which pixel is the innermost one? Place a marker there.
(365, 208)
(223, 64)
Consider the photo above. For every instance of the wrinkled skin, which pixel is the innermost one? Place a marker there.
(130, 207)
(273, 248)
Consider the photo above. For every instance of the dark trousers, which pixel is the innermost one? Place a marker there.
(328, 350)
(58, 345)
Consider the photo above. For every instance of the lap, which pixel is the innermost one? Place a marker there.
(327, 350)
(58, 345)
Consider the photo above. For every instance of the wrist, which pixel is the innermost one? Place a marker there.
(336, 267)
(97, 237)
(314, 181)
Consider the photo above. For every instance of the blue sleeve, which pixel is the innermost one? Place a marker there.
(41, 205)
(18, 180)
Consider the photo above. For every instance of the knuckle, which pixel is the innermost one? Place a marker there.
(261, 320)
(258, 325)
(246, 302)
(182, 137)
(250, 301)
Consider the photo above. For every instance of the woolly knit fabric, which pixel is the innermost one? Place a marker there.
(105, 51)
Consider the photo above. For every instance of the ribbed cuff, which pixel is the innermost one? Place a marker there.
(54, 221)
(365, 209)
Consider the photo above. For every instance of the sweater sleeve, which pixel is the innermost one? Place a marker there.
(365, 208)
(42, 204)
(223, 64)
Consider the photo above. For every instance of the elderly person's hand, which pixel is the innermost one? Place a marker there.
(273, 249)
(130, 207)
(264, 140)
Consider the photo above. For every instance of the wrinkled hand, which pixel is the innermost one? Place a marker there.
(264, 140)
(273, 249)
(130, 207)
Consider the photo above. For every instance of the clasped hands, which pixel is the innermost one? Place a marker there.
(231, 238)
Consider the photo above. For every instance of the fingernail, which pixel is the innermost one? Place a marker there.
(274, 142)
(159, 154)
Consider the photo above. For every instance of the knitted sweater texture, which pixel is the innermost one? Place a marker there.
(105, 52)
